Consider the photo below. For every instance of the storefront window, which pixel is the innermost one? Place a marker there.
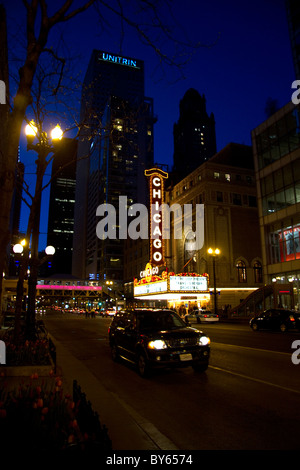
(285, 278)
(284, 244)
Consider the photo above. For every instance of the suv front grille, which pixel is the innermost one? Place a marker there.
(181, 342)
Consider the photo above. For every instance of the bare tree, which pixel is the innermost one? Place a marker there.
(37, 20)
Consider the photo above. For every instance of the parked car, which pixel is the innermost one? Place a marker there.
(157, 338)
(200, 316)
(276, 319)
(109, 312)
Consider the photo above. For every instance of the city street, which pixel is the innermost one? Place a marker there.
(247, 400)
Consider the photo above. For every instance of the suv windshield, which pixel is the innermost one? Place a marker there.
(162, 320)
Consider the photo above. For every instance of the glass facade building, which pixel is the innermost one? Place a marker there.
(276, 146)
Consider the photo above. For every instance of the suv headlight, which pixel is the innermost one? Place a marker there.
(203, 340)
(157, 344)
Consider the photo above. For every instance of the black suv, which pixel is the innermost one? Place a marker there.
(157, 338)
(276, 319)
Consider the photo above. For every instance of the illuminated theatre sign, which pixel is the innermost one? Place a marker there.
(116, 59)
(165, 285)
(171, 286)
(156, 184)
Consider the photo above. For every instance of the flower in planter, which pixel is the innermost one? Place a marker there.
(34, 417)
(39, 402)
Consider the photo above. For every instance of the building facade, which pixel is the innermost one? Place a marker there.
(225, 186)
(114, 151)
(276, 146)
(194, 135)
(61, 207)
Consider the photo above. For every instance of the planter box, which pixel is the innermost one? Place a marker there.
(26, 371)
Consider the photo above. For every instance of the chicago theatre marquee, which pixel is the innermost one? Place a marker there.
(156, 282)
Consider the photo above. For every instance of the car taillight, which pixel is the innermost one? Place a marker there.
(292, 318)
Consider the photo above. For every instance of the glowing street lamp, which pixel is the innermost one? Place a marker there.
(38, 141)
(18, 249)
(50, 250)
(214, 252)
(31, 131)
(56, 133)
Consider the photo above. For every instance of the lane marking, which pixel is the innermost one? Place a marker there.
(251, 348)
(264, 382)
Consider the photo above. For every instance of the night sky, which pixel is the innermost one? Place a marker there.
(249, 60)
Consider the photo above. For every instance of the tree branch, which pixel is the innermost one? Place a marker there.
(61, 16)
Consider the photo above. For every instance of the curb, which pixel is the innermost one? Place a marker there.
(126, 429)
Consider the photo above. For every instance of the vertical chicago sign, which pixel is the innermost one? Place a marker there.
(156, 184)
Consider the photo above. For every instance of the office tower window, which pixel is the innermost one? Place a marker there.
(241, 271)
(257, 268)
(219, 196)
(279, 138)
(280, 189)
(236, 199)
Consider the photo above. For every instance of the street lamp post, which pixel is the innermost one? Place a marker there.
(214, 253)
(32, 279)
(39, 142)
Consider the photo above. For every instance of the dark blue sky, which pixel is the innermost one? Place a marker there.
(250, 62)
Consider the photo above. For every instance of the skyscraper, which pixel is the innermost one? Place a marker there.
(194, 134)
(61, 207)
(114, 150)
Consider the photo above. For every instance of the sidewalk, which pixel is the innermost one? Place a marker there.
(127, 429)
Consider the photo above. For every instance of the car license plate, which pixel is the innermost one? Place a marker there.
(186, 357)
